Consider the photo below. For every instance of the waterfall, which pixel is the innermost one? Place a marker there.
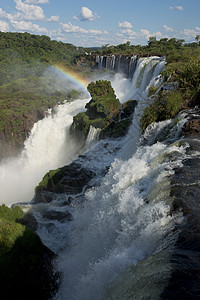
(47, 147)
(120, 223)
(132, 66)
(92, 136)
(99, 61)
(123, 215)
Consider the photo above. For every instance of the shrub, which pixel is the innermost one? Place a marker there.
(164, 107)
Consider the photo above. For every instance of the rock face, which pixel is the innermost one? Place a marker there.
(104, 111)
(185, 259)
(68, 179)
(10, 145)
(192, 127)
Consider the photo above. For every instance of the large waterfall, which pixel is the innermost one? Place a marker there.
(48, 147)
(122, 220)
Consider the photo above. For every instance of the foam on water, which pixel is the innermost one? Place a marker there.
(48, 147)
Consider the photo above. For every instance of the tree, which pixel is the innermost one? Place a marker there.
(197, 38)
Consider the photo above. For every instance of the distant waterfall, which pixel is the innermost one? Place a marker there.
(129, 65)
(146, 73)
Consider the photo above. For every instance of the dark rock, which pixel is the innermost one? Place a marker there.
(185, 259)
(69, 179)
(29, 221)
(191, 127)
(58, 215)
(43, 197)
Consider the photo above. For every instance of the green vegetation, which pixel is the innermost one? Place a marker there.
(28, 86)
(24, 54)
(167, 104)
(21, 259)
(10, 230)
(101, 110)
(164, 107)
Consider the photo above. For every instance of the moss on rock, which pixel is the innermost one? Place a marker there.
(104, 111)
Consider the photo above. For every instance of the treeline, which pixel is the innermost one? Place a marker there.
(24, 54)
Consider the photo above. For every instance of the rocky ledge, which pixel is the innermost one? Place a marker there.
(105, 112)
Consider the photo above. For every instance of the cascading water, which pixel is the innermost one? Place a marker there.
(48, 147)
(124, 217)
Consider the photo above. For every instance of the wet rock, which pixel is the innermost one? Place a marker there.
(43, 197)
(29, 221)
(191, 127)
(70, 179)
(185, 259)
(58, 215)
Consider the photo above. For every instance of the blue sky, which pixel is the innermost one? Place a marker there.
(96, 23)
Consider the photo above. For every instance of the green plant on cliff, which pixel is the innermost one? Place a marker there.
(102, 108)
(104, 98)
(10, 230)
(163, 107)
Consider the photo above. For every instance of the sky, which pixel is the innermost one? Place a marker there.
(93, 23)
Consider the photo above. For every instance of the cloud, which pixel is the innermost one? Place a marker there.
(4, 26)
(178, 7)
(168, 29)
(36, 1)
(4, 15)
(125, 25)
(53, 19)
(146, 33)
(28, 26)
(86, 15)
(30, 12)
(69, 28)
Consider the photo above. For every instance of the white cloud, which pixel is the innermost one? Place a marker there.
(36, 1)
(95, 31)
(28, 26)
(86, 15)
(4, 26)
(53, 19)
(69, 28)
(4, 15)
(30, 12)
(178, 7)
(168, 29)
(190, 33)
(125, 25)
(146, 33)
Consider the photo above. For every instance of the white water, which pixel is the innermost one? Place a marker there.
(118, 224)
(48, 147)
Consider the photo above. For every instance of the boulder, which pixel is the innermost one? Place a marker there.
(191, 127)
(70, 179)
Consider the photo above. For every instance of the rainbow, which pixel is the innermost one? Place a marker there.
(72, 76)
